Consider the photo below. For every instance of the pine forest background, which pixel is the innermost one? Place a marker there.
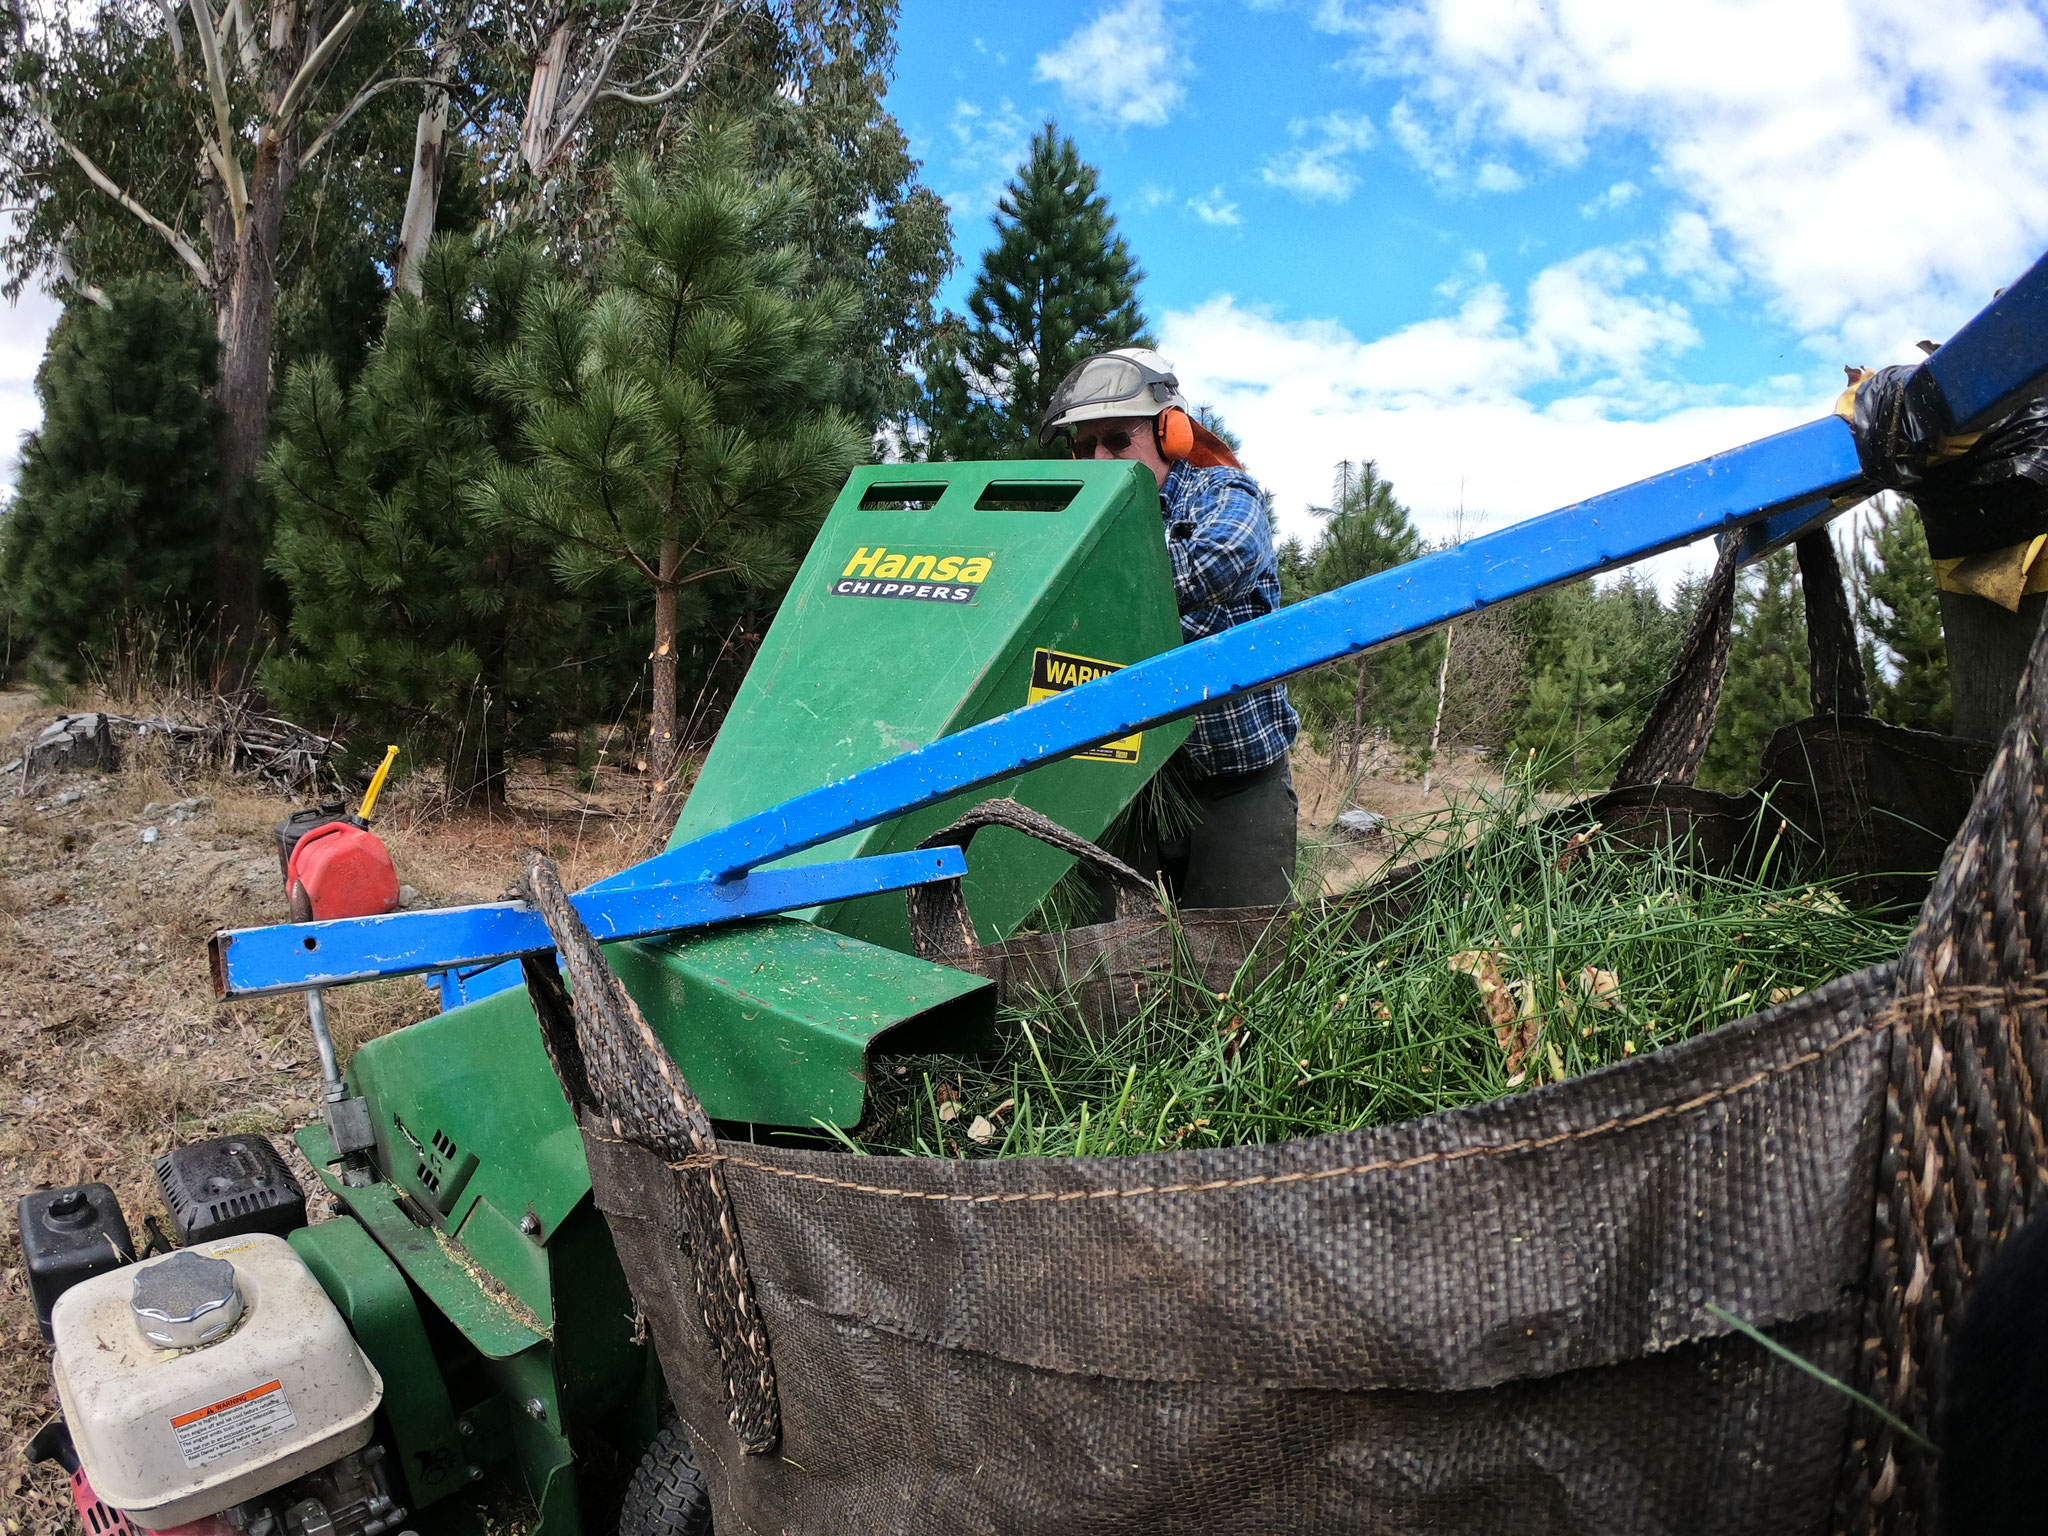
(476, 379)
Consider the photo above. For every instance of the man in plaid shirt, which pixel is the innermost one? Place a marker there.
(1127, 405)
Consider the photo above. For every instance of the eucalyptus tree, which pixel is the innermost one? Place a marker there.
(249, 97)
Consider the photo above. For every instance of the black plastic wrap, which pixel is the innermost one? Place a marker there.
(1992, 495)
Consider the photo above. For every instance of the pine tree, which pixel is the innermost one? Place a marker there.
(1597, 656)
(1568, 702)
(1368, 531)
(1059, 285)
(676, 419)
(1766, 683)
(1897, 607)
(411, 620)
(1573, 692)
(114, 515)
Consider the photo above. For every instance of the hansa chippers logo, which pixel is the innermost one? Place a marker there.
(883, 572)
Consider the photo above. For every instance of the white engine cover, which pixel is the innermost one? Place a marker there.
(169, 1436)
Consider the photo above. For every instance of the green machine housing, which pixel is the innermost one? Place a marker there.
(935, 597)
(477, 1273)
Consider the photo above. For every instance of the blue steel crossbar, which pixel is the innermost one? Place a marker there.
(1777, 488)
(1792, 469)
(1773, 490)
(254, 962)
(1994, 363)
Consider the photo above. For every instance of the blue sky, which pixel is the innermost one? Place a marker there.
(1516, 250)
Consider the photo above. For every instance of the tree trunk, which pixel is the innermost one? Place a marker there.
(662, 751)
(537, 136)
(1436, 729)
(429, 161)
(1357, 731)
(477, 765)
(247, 320)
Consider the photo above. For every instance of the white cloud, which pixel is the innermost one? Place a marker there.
(1495, 177)
(1446, 405)
(1152, 197)
(1690, 252)
(1905, 144)
(1315, 169)
(1439, 150)
(1471, 269)
(989, 144)
(1575, 325)
(1125, 67)
(1620, 195)
(1432, 156)
(1212, 209)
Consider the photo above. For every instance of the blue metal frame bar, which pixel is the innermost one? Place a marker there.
(1995, 362)
(256, 962)
(1786, 527)
(1791, 470)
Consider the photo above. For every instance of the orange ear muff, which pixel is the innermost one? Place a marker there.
(1174, 434)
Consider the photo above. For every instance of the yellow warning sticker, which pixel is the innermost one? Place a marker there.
(1054, 672)
(207, 1434)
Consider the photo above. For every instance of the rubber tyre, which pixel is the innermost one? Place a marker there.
(666, 1496)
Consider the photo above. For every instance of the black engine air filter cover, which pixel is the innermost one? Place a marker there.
(228, 1186)
(69, 1235)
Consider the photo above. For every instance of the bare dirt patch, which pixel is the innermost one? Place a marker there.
(1384, 784)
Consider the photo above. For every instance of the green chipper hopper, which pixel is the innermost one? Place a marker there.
(475, 1273)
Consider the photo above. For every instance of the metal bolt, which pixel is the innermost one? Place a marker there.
(476, 1474)
(530, 1224)
(536, 1409)
(468, 1429)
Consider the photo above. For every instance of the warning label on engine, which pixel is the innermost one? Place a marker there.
(1055, 672)
(248, 1418)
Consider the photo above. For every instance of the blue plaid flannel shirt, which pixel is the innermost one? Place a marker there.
(1225, 573)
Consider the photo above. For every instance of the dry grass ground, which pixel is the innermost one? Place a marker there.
(112, 1047)
(1323, 783)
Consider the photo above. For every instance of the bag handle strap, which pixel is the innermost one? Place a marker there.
(614, 1069)
(1834, 663)
(1962, 1161)
(940, 924)
(1673, 739)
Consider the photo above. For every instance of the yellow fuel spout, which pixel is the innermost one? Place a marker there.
(377, 782)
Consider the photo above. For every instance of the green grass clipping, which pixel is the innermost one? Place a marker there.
(1534, 950)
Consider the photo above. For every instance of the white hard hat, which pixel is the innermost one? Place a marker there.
(1131, 381)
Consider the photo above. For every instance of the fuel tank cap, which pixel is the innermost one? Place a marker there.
(186, 1300)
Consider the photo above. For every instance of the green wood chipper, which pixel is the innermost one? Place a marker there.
(462, 1334)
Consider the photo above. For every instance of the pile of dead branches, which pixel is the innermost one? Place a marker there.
(217, 732)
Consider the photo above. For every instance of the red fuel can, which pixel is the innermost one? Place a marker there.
(340, 870)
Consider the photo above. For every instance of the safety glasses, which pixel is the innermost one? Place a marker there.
(1115, 439)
